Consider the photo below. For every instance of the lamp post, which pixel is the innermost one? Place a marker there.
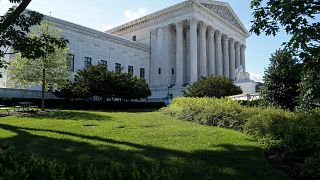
(168, 94)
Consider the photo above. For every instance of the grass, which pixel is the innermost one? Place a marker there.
(147, 139)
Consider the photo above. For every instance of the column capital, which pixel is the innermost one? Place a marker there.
(237, 44)
(231, 40)
(211, 30)
(225, 37)
(193, 21)
(218, 34)
(179, 24)
(243, 47)
(202, 26)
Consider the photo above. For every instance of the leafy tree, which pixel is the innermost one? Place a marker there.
(310, 84)
(97, 81)
(214, 87)
(281, 81)
(14, 28)
(300, 19)
(45, 71)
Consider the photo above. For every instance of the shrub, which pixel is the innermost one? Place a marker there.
(29, 166)
(214, 112)
(312, 167)
(213, 86)
(294, 135)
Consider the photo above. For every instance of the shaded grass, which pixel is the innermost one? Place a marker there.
(147, 139)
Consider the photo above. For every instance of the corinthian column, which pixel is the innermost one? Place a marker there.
(203, 49)
(243, 57)
(232, 59)
(211, 51)
(237, 47)
(167, 63)
(193, 50)
(179, 54)
(219, 64)
(226, 71)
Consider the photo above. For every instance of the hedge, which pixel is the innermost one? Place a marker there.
(83, 105)
(295, 136)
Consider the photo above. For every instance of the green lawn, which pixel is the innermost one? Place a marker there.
(147, 139)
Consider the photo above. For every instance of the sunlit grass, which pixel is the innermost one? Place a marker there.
(146, 138)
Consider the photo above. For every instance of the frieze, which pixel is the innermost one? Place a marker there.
(224, 13)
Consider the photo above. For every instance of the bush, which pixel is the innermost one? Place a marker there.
(213, 86)
(295, 136)
(29, 166)
(312, 167)
(213, 112)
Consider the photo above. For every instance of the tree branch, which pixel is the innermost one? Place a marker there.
(12, 14)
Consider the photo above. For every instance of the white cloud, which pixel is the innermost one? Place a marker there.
(107, 27)
(134, 14)
(256, 77)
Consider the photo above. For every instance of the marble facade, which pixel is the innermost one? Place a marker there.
(192, 39)
(175, 46)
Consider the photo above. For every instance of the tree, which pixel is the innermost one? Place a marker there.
(97, 81)
(45, 71)
(213, 87)
(300, 19)
(13, 13)
(281, 81)
(310, 85)
(14, 28)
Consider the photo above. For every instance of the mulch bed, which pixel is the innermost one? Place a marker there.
(292, 168)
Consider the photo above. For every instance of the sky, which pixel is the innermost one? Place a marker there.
(105, 14)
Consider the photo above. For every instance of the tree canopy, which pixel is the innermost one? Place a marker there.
(15, 26)
(299, 18)
(97, 81)
(281, 81)
(214, 87)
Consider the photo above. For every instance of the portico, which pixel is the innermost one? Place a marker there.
(191, 39)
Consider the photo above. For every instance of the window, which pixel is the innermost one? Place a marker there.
(104, 63)
(70, 59)
(87, 62)
(134, 38)
(159, 71)
(142, 72)
(118, 68)
(172, 71)
(130, 69)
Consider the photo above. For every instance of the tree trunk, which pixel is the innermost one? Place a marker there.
(43, 88)
(10, 17)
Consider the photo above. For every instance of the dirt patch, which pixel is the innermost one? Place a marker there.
(292, 168)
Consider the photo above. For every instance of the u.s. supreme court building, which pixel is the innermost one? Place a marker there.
(174, 46)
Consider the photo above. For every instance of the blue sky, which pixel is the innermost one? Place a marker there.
(103, 14)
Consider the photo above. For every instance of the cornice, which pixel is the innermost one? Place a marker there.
(151, 19)
(96, 34)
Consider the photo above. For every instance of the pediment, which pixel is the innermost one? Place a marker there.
(224, 11)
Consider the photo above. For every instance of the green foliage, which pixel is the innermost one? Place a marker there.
(310, 84)
(298, 17)
(131, 145)
(213, 112)
(294, 135)
(213, 86)
(281, 81)
(25, 72)
(14, 38)
(97, 81)
(312, 166)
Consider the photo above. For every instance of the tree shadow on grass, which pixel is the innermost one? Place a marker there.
(229, 162)
(70, 115)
